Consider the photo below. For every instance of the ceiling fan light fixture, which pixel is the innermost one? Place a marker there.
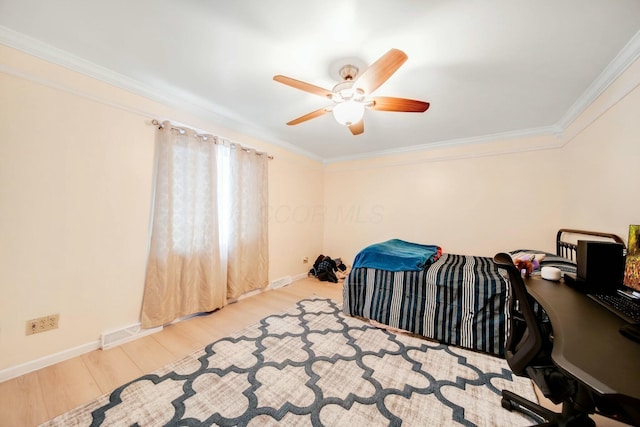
(349, 112)
(354, 93)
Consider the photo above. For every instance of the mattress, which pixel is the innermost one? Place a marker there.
(459, 300)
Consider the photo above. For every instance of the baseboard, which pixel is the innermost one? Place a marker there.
(300, 277)
(116, 337)
(43, 362)
(108, 340)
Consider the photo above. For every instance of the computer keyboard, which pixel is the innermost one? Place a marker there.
(623, 306)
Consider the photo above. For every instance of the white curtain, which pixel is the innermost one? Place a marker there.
(248, 245)
(199, 243)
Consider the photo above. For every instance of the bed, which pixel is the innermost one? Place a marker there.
(455, 299)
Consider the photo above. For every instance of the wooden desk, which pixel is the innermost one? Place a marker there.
(587, 344)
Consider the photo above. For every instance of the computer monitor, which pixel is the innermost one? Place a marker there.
(632, 263)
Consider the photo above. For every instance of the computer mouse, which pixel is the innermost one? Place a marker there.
(631, 331)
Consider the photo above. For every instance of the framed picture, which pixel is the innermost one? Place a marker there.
(632, 264)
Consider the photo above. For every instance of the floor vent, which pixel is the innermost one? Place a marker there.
(123, 335)
(284, 281)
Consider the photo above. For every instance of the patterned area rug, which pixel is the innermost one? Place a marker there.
(312, 365)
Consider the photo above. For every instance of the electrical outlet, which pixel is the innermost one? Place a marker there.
(305, 260)
(42, 324)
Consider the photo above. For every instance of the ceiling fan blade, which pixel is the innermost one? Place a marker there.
(309, 116)
(387, 103)
(307, 87)
(380, 71)
(357, 128)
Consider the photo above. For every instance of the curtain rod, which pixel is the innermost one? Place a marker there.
(180, 129)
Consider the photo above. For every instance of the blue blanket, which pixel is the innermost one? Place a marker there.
(397, 255)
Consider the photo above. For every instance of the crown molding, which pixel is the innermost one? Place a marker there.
(216, 114)
(207, 111)
(525, 133)
(627, 56)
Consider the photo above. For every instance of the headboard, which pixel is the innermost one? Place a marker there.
(567, 248)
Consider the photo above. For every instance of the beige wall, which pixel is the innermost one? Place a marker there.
(603, 164)
(476, 205)
(76, 158)
(502, 195)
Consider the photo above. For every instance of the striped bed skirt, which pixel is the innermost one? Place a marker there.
(459, 300)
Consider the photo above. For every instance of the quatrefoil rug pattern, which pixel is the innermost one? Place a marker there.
(312, 365)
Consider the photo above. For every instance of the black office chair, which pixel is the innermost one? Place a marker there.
(528, 353)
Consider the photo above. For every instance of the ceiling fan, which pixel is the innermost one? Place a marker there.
(354, 94)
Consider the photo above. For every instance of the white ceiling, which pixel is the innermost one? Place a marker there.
(488, 68)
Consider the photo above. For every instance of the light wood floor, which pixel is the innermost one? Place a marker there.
(38, 396)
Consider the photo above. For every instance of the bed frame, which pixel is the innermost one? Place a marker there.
(567, 248)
